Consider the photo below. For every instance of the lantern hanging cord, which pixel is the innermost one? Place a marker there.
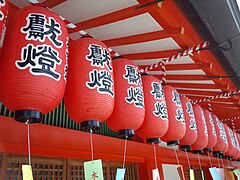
(91, 142)
(199, 161)
(179, 163)
(228, 165)
(155, 156)
(188, 160)
(125, 151)
(218, 162)
(209, 159)
(29, 142)
(222, 163)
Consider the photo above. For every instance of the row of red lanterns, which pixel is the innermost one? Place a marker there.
(33, 74)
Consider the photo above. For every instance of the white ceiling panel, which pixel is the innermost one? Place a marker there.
(135, 25)
(181, 60)
(81, 10)
(158, 45)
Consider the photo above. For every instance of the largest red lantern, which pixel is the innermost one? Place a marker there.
(33, 63)
(191, 129)
(212, 135)
(177, 125)
(155, 123)
(129, 109)
(89, 96)
(221, 136)
(231, 141)
(202, 137)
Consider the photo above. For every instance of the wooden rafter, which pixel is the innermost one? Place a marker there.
(198, 86)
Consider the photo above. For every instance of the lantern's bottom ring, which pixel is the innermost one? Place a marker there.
(91, 124)
(153, 140)
(227, 157)
(30, 116)
(126, 133)
(173, 143)
(207, 150)
(216, 153)
(186, 148)
(197, 151)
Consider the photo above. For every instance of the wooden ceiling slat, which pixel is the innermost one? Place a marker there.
(206, 93)
(145, 37)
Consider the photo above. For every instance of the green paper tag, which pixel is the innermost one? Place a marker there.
(93, 170)
(27, 172)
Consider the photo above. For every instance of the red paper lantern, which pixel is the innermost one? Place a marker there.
(231, 140)
(226, 145)
(221, 136)
(177, 125)
(34, 63)
(237, 148)
(155, 123)
(191, 128)
(89, 96)
(129, 110)
(238, 138)
(202, 132)
(212, 135)
(4, 11)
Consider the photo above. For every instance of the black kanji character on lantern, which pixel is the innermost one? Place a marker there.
(102, 80)
(1, 15)
(212, 124)
(135, 95)
(161, 110)
(193, 125)
(180, 115)
(53, 31)
(41, 60)
(132, 75)
(2, 3)
(190, 109)
(157, 91)
(99, 57)
(176, 98)
(35, 27)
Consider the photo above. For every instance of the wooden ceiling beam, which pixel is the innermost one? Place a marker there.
(151, 55)
(115, 16)
(145, 37)
(52, 3)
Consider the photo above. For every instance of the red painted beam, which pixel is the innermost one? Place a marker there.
(53, 3)
(50, 141)
(196, 92)
(145, 37)
(151, 55)
(198, 86)
(191, 77)
(179, 67)
(115, 16)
